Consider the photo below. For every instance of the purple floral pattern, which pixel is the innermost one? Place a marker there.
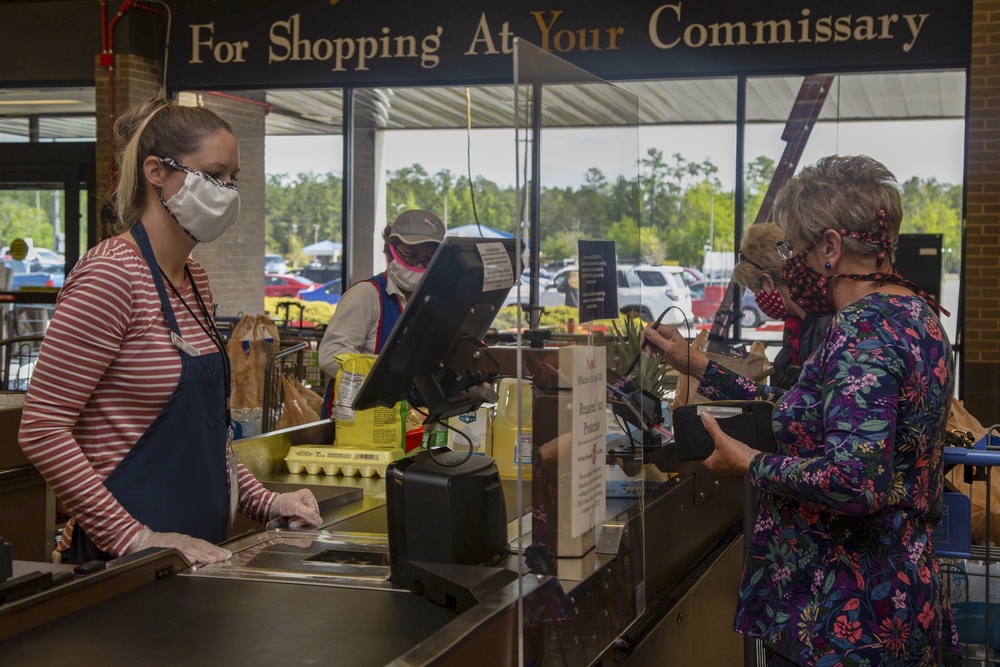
(842, 570)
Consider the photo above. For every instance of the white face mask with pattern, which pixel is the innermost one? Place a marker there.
(204, 207)
(406, 277)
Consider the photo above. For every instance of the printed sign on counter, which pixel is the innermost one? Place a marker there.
(589, 391)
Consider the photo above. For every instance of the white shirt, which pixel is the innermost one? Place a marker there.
(354, 325)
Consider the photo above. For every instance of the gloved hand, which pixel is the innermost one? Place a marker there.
(195, 550)
(299, 506)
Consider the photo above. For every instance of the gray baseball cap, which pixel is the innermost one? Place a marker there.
(416, 227)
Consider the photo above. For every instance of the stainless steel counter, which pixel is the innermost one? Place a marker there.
(297, 597)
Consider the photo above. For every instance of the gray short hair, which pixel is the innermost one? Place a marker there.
(843, 193)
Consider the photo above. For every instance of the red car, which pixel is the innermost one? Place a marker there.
(283, 284)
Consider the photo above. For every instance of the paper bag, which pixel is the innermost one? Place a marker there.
(254, 341)
(755, 366)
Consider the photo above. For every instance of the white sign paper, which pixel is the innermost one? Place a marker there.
(498, 272)
(589, 391)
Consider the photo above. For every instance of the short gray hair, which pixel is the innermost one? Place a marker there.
(843, 193)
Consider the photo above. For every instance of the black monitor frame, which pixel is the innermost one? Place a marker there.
(435, 357)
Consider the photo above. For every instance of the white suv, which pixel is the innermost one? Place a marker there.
(645, 289)
(649, 289)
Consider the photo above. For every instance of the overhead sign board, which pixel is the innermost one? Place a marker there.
(305, 43)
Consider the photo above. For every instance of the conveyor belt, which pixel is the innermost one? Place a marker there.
(203, 621)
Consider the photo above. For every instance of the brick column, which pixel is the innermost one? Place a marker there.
(980, 378)
(235, 262)
(135, 79)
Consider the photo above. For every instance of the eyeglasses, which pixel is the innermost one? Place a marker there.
(416, 261)
(785, 251)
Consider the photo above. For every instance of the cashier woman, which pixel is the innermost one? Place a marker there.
(368, 311)
(127, 416)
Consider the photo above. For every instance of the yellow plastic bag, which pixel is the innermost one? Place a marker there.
(378, 427)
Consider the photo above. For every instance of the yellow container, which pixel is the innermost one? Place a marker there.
(512, 452)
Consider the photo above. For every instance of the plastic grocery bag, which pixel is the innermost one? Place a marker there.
(966, 582)
(379, 427)
(755, 366)
(960, 420)
(295, 410)
(254, 341)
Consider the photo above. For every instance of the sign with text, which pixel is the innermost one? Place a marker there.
(598, 280)
(306, 43)
(584, 370)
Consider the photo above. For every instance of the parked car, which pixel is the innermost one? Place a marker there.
(275, 264)
(29, 274)
(43, 259)
(328, 292)
(525, 293)
(553, 292)
(706, 297)
(278, 284)
(648, 290)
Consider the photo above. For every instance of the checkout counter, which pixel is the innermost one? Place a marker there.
(660, 582)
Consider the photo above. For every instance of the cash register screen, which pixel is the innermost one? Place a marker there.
(458, 296)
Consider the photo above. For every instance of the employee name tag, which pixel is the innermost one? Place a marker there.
(184, 346)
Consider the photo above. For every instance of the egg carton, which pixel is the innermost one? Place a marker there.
(316, 459)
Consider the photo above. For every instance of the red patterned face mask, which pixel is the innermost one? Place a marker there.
(807, 287)
(771, 304)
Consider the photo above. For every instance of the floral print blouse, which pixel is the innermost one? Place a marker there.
(841, 569)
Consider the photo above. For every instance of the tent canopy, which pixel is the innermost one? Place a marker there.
(477, 231)
(323, 248)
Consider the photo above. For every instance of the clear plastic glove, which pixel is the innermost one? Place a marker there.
(195, 550)
(299, 506)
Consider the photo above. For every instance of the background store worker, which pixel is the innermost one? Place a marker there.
(127, 415)
(368, 311)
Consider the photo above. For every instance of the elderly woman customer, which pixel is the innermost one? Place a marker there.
(759, 270)
(841, 567)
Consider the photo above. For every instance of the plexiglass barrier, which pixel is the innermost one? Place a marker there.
(582, 410)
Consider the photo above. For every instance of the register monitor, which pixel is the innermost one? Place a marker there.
(435, 357)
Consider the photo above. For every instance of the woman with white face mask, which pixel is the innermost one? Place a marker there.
(127, 415)
(367, 312)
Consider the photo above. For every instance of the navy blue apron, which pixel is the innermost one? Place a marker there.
(389, 312)
(176, 477)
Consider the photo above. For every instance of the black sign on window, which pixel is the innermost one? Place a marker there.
(598, 280)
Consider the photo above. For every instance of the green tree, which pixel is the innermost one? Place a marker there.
(22, 220)
(931, 207)
(301, 211)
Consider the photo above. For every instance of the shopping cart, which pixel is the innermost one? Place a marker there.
(294, 329)
(19, 356)
(971, 571)
(288, 361)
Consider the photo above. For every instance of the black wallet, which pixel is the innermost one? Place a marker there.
(747, 421)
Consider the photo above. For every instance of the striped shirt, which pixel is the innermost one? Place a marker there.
(105, 370)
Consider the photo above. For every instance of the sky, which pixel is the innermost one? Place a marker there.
(926, 149)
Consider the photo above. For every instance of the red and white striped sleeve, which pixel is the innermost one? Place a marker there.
(88, 328)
